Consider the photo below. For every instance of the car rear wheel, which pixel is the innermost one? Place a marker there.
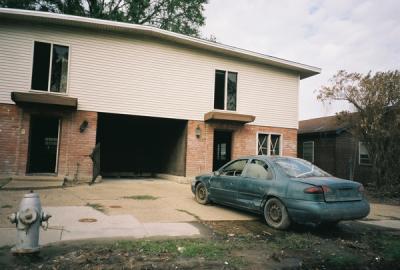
(201, 194)
(276, 215)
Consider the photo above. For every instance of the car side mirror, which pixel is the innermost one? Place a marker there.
(217, 173)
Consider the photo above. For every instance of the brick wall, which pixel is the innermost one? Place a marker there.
(9, 132)
(199, 155)
(74, 146)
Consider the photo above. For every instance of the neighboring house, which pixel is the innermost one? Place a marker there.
(152, 101)
(327, 143)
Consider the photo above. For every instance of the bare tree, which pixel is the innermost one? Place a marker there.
(376, 97)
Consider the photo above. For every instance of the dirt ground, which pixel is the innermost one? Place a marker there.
(228, 245)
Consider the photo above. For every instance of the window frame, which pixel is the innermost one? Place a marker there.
(359, 155)
(52, 43)
(313, 151)
(225, 109)
(269, 142)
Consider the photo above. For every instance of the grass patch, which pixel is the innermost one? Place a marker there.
(341, 261)
(295, 241)
(6, 206)
(141, 197)
(391, 248)
(96, 206)
(184, 248)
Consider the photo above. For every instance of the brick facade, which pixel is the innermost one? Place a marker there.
(74, 147)
(199, 155)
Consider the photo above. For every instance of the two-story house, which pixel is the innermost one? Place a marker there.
(150, 101)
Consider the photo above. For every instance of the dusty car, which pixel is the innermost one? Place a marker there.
(283, 190)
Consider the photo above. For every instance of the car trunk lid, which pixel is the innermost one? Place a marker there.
(335, 189)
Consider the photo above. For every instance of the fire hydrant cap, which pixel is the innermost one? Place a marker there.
(28, 216)
(31, 195)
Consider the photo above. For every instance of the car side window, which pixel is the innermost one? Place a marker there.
(258, 169)
(235, 168)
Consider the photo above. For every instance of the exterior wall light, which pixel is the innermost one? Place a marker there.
(83, 126)
(198, 132)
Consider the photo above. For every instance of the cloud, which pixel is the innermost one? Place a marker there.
(355, 35)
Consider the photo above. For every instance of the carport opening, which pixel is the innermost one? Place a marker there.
(133, 146)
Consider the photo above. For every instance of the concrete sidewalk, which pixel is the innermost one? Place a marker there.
(83, 222)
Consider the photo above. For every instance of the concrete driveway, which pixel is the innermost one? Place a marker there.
(116, 208)
(137, 208)
(169, 201)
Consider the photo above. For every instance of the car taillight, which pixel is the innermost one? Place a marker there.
(361, 189)
(317, 190)
(313, 190)
(326, 189)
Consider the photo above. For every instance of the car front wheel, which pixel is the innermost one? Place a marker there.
(276, 215)
(201, 194)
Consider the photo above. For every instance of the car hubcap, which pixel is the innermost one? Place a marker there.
(201, 193)
(275, 213)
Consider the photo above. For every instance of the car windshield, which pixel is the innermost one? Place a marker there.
(295, 167)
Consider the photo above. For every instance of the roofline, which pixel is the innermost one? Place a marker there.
(303, 70)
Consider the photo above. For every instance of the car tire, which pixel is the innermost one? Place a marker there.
(276, 215)
(201, 194)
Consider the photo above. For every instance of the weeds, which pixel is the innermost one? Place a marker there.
(184, 248)
(96, 206)
(189, 213)
(6, 206)
(141, 197)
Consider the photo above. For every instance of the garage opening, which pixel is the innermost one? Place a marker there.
(133, 146)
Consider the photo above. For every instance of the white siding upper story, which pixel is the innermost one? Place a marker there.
(137, 75)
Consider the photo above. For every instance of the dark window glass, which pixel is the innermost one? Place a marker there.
(59, 69)
(219, 94)
(263, 144)
(275, 145)
(231, 99)
(41, 63)
(235, 169)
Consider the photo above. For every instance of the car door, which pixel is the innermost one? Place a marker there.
(223, 185)
(257, 179)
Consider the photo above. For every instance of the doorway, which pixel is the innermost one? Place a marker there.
(43, 144)
(222, 148)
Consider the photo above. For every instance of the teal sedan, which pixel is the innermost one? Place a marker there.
(283, 190)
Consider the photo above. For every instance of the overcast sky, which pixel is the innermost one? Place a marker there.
(354, 35)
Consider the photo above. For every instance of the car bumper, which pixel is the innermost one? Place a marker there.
(317, 212)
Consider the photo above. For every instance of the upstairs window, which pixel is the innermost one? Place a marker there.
(363, 155)
(50, 67)
(308, 151)
(225, 86)
(269, 144)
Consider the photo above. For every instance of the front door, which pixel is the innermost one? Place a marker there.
(222, 148)
(43, 144)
